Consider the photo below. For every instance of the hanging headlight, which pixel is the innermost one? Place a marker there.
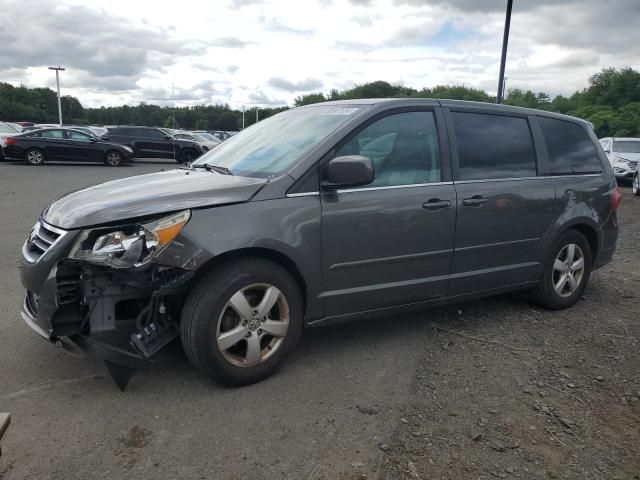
(130, 245)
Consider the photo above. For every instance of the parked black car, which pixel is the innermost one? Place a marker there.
(321, 214)
(51, 144)
(152, 142)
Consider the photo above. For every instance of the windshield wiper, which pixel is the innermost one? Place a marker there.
(213, 168)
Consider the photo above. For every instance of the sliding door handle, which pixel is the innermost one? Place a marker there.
(475, 201)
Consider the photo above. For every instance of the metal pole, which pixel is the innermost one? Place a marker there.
(504, 87)
(503, 59)
(58, 69)
(243, 117)
(256, 114)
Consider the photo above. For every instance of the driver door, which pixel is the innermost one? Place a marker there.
(390, 242)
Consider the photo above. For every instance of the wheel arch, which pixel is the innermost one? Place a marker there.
(272, 255)
(584, 225)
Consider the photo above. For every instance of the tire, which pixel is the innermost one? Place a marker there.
(113, 158)
(187, 155)
(34, 156)
(208, 315)
(635, 186)
(546, 293)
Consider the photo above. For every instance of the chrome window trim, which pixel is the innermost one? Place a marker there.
(393, 187)
(413, 185)
(303, 194)
(540, 177)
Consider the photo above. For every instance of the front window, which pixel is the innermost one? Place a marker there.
(626, 146)
(268, 148)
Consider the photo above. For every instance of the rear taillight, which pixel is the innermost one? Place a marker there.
(617, 198)
(10, 141)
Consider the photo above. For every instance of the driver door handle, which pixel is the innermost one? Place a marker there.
(436, 204)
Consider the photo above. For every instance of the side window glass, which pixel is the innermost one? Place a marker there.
(571, 150)
(52, 134)
(78, 136)
(183, 136)
(493, 146)
(155, 134)
(403, 148)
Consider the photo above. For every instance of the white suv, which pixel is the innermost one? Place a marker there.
(623, 154)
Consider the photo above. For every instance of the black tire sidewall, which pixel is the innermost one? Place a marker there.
(208, 310)
(551, 298)
(635, 191)
(106, 158)
(26, 154)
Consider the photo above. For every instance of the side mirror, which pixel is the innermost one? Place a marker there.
(93, 140)
(106, 139)
(348, 171)
(168, 137)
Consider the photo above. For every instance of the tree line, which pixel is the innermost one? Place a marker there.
(611, 101)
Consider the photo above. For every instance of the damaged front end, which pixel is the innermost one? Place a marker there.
(113, 292)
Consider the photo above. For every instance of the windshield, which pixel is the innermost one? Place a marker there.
(626, 146)
(270, 147)
(209, 137)
(199, 138)
(4, 128)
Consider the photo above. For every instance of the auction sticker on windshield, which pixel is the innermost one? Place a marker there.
(337, 111)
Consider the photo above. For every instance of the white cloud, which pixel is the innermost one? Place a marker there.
(260, 52)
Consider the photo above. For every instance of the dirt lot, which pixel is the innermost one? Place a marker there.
(508, 390)
(488, 389)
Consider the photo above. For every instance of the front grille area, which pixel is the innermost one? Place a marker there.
(41, 239)
(68, 280)
(633, 165)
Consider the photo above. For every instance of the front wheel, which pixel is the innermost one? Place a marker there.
(34, 156)
(113, 158)
(635, 187)
(566, 272)
(242, 321)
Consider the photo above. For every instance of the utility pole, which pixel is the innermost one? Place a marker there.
(58, 69)
(243, 117)
(256, 114)
(503, 59)
(504, 87)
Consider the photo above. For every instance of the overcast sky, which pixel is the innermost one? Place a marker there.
(252, 52)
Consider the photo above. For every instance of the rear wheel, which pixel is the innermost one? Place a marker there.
(566, 272)
(242, 321)
(635, 187)
(113, 158)
(34, 156)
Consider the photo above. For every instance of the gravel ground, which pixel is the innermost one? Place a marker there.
(495, 388)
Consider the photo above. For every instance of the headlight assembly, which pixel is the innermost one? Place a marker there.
(130, 245)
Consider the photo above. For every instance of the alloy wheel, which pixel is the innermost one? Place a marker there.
(568, 270)
(35, 157)
(252, 325)
(114, 159)
(636, 185)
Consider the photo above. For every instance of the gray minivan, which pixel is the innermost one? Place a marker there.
(319, 214)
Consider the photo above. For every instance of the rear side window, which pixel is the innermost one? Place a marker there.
(571, 151)
(52, 134)
(493, 146)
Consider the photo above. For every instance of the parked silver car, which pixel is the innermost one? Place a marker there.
(207, 143)
(623, 153)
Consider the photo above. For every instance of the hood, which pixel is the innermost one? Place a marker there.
(149, 194)
(634, 157)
